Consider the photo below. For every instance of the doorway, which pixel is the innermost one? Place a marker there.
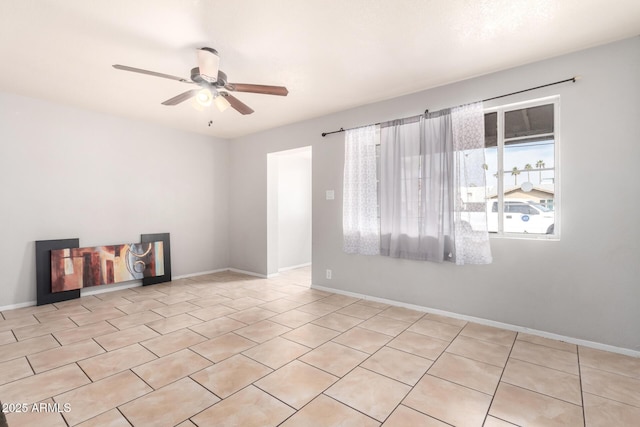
(288, 210)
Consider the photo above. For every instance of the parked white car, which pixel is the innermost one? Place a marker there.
(521, 216)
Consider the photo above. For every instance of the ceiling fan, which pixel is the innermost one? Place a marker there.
(214, 87)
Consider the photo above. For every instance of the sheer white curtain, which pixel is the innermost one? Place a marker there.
(431, 206)
(470, 216)
(360, 225)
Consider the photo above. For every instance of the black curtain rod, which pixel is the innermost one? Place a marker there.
(572, 79)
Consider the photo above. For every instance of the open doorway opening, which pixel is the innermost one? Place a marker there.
(289, 211)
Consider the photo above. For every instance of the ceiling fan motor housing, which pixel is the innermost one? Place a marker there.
(197, 78)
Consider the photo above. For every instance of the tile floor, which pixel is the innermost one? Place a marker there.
(232, 350)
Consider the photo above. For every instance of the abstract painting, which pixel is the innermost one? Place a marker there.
(76, 268)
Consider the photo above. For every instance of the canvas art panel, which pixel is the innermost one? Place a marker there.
(76, 268)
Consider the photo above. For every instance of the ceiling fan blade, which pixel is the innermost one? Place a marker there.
(267, 90)
(208, 63)
(182, 97)
(238, 105)
(150, 73)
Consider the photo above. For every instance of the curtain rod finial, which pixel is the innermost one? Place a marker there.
(576, 78)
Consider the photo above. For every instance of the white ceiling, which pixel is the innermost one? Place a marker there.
(331, 54)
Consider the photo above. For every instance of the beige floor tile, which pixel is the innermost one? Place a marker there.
(43, 386)
(334, 358)
(172, 342)
(144, 295)
(418, 344)
(368, 392)
(26, 311)
(340, 300)
(363, 339)
(337, 322)
(489, 333)
(217, 327)
(611, 386)
(446, 319)
(262, 331)
(324, 411)
(86, 332)
(27, 347)
(482, 351)
(276, 352)
(601, 412)
(311, 335)
(44, 413)
(360, 311)
(398, 365)
(432, 328)
(174, 323)
(404, 416)
(160, 372)
(7, 337)
(470, 373)
(17, 322)
(105, 303)
(524, 407)
(210, 313)
(232, 412)
(558, 345)
(319, 308)
(496, 422)
(243, 303)
(115, 361)
(26, 332)
(223, 347)
(185, 398)
(296, 384)
(175, 309)
(127, 337)
(186, 424)
(93, 399)
(543, 380)
(374, 304)
(61, 356)
(294, 318)
(611, 362)
(231, 375)
(112, 418)
(448, 402)
(252, 315)
(49, 316)
(281, 305)
(385, 325)
(14, 370)
(546, 356)
(97, 316)
(403, 314)
(141, 306)
(177, 297)
(212, 300)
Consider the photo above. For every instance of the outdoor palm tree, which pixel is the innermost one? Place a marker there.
(528, 168)
(515, 172)
(540, 165)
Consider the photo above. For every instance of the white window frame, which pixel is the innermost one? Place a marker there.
(500, 110)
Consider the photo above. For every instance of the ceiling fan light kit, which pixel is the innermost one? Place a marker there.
(213, 82)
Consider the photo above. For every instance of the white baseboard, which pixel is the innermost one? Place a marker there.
(293, 267)
(19, 305)
(250, 273)
(515, 328)
(201, 273)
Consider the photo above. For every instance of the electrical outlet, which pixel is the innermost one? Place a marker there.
(329, 274)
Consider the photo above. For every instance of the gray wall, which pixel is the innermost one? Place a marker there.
(67, 173)
(585, 286)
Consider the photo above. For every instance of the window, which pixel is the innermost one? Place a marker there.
(521, 169)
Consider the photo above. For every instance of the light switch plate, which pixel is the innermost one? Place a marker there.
(331, 195)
